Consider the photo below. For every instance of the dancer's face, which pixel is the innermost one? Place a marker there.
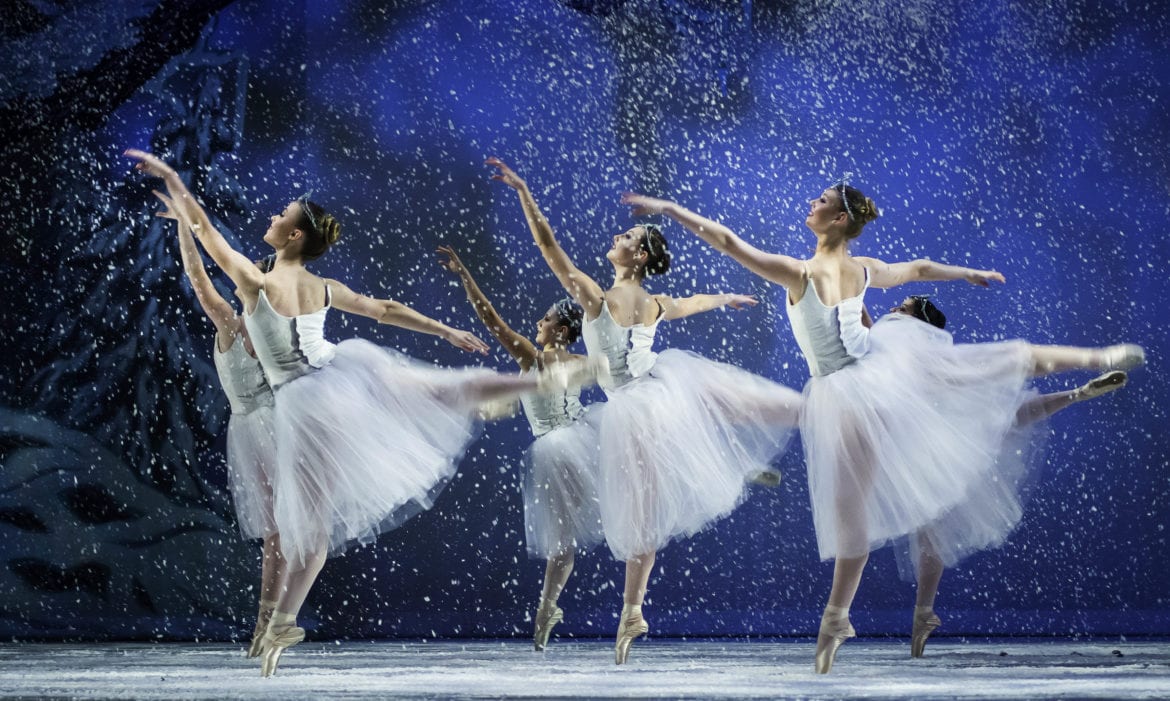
(283, 227)
(627, 249)
(548, 327)
(824, 210)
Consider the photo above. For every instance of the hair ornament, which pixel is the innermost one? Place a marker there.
(570, 314)
(303, 200)
(839, 186)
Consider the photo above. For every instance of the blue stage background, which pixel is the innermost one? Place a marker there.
(1026, 137)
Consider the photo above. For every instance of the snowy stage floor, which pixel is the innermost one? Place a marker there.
(972, 669)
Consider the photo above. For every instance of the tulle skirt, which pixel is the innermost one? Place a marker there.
(251, 451)
(678, 444)
(561, 507)
(918, 437)
(364, 444)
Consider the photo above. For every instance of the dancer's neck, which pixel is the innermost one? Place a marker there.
(831, 246)
(288, 259)
(627, 276)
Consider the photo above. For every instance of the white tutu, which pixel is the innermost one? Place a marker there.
(678, 444)
(250, 459)
(364, 444)
(919, 435)
(561, 508)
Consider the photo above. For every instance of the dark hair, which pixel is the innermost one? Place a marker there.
(657, 252)
(925, 310)
(321, 229)
(861, 209)
(570, 314)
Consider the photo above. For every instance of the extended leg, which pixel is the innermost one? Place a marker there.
(1048, 404)
(1050, 359)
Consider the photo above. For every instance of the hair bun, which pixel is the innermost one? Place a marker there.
(330, 229)
(869, 211)
(658, 249)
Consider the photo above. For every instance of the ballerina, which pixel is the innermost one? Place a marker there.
(924, 563)
(679, 434)
(561, 514)
(250, 442)
(365, 436)
(897, 432)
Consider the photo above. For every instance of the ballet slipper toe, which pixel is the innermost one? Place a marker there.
(830, 638)
(258, 634)
(630, 629)
(275, 642)
(545, 621)
(256, 646)
(1102, 384)
(767, 478)
(497, 409)
(924, 625)
(1124, 356)
(577, 372)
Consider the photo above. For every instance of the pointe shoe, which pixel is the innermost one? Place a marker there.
(631, 627)
(274, 643)
(1123, 356)
(544, 625)
(767, 478)
(576, 372)
(924, 625)
(258, 633)
(830, 637)
(498, 409)
(1102, 384)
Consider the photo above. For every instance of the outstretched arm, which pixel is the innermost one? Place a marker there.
(218, 309)
(677, 308)
(781, 269)
(520, 348)
(237, 266)
(387, 311)
(579, 285)
(886, 275)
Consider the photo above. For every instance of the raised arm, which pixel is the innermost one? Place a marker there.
(218, 309)
(387, 311)
(520, 348)
(886, 275)
(781, 269)
(237, 266)
(579, 285)
(677, 308)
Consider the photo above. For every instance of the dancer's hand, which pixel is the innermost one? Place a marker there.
(451, 262)
(984, 278)
(465, 340)
(169, 209)
(643, 205)
(740, 301)
(506, 174)
(150, 164)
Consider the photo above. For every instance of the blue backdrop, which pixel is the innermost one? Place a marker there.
(1026, 137)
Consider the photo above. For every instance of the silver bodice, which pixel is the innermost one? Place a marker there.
(549, 410)
(288, 346)
(626, 347)
(242, 378)
(830, 337)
